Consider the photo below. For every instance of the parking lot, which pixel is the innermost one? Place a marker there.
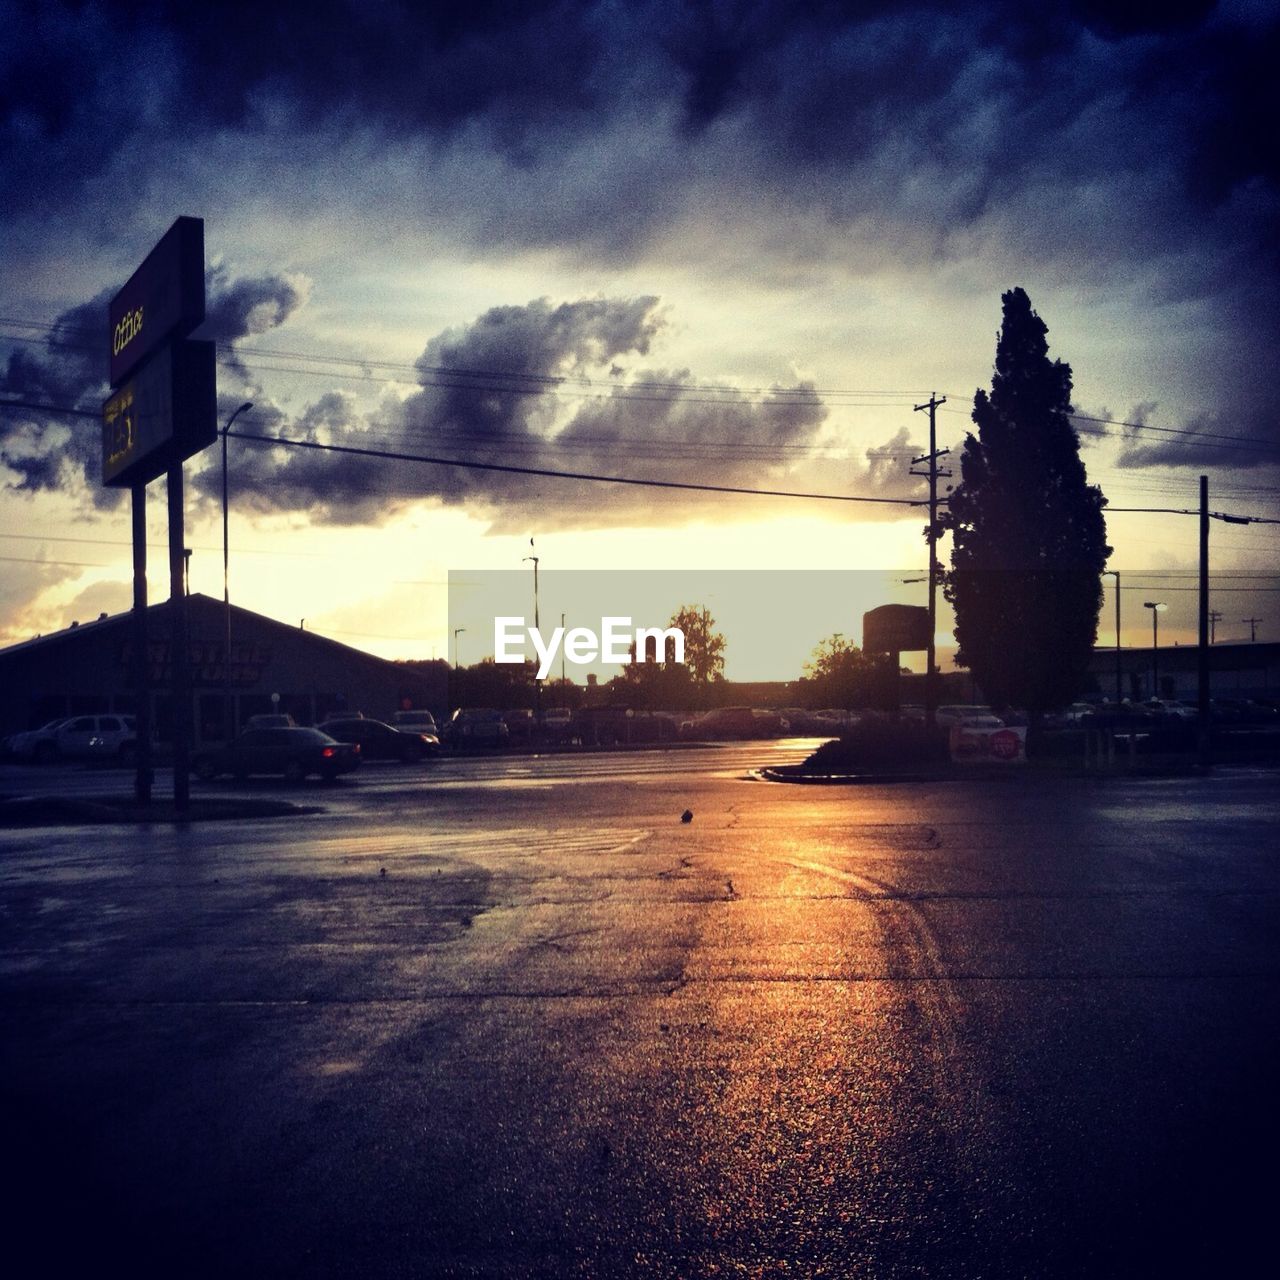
(512, 1016)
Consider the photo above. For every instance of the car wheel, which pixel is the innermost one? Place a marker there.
(45, 753)
(294, 772)
(128, 753)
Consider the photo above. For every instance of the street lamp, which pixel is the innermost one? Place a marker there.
(457, 631)
(1157, 607)
(228, 728)
(1115, 573)
(537, 684)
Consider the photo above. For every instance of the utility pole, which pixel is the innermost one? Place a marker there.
(930, 680)
(537, 623)
(1252, 624)
(1115, 573)
(1215, 617)
(1202, 654)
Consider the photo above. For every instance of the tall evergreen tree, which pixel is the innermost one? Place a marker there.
(1029, 537)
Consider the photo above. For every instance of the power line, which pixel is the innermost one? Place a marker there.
(518, 382)
(467, 465)
(1196, 434)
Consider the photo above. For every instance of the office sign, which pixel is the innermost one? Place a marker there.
(161, 415)
(895, 628)
(163, 299)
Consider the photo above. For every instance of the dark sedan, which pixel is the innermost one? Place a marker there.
(380, 741)
(290, 753)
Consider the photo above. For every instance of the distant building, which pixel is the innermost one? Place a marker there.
(87, 669)
(1236, 670)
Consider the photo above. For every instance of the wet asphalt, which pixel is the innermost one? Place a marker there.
(514, 1019)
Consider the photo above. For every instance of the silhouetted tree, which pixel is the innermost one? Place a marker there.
(703, 644)
(1029, 538)
(501, 685)
(674, 685)
(840, 674)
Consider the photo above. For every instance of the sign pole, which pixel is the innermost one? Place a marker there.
(1202, 651)
(178, 648)
(141, 657)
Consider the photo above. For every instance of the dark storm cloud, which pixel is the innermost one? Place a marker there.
(50, 450)
(1205, 440)
(540, 386)
(241, 308)
(238, 308)
(814, 84)
(1116, 142)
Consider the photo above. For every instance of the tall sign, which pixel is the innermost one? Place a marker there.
(895, 628)
(164, 407)
(163, 299)
(160, 415)
(162, 410)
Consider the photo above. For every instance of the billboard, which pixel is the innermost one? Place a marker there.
(163, 299)
(895, 628)
(164, 413)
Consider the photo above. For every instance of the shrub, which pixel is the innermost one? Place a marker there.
(881, 746)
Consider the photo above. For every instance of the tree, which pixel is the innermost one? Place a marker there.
(1029, 537)
(839, 674)
(703, 644)
(671, 684)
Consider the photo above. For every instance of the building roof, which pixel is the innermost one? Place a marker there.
(198, 605)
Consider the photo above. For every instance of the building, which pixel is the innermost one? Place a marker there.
(88, 669)
(1236, 670)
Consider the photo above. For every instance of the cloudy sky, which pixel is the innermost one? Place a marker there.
(728, 243)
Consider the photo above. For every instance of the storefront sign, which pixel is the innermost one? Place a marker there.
(895, 628)
(162, 415)
(163, 299)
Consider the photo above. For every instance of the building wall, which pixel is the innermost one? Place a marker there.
(1235, 671)
(89, 668)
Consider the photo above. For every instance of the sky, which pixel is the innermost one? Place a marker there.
(724, 243)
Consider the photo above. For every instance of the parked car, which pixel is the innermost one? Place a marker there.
(379, 741)
(610, 726)
(520, 724)
(417, 720)
(1170, 709)
(805, 723)
(22, 745)
(1124, 717)
(271, 720)
(104, 737)
(733, 722)
(972, 717)
(292, 753)
(557, 723)
(1243, 711)
(476, 727)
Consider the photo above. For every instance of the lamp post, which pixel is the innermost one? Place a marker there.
(457, 631)
(1115, 573)
(537, 684)
(228, 727)
(1157, 607)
